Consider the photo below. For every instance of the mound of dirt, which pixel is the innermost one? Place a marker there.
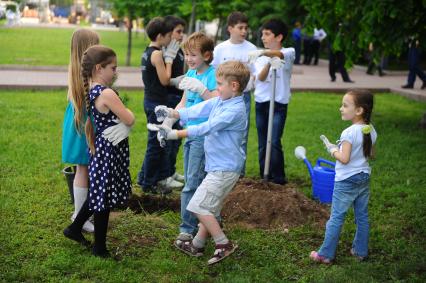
(256, 204)
(153, 203)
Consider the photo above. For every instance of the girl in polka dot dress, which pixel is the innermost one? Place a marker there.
(109, 177)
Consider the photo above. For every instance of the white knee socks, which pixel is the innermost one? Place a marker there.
(80, 196)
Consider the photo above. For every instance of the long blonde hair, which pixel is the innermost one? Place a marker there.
(93, 56)
(80, 41)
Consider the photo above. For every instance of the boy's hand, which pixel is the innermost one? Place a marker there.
(155, 128)
(192, 84)
(115, 134)
(331, 148)
(276, 63)
(162, 112)
(171, 51)
(168, 133)
(252, 55)
(175, 81)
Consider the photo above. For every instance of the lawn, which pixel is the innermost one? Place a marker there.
(34, 204)
(27, 46)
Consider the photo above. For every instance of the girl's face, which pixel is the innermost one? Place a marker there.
(349, 111)
(177, 33)
(108, 74)
(195, 59)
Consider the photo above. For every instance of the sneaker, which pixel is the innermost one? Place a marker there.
(188, 248)
(170, 183)
(318, 258)
(221, 252)
(407, 86)
(178, 177)
(359, 258)
(88, 225)
(78, 237)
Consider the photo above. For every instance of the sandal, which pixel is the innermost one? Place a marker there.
(318, 258)
(359, 258)
(222, 251)
(188, 248)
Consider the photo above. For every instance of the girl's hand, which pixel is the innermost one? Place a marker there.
(331, 148)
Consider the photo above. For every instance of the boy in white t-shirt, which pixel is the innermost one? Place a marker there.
(273, 34)
(236, 48)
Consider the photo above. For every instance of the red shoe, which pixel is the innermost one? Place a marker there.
(318, 258)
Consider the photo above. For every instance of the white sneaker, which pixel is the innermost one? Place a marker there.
(170, 183)
(178, 177)
(88, 225)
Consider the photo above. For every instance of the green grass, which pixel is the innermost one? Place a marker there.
(34, 204)
(51, 46)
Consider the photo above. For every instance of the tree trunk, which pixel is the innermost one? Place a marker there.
(218, 29)
(129, 41)
(192, 19)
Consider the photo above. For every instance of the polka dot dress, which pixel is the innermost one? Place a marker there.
(109, 177)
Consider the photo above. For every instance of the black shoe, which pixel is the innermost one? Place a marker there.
(407, 86)
(369, 73)
(423, 85)
(78, 237)
(333, 79)
(381, 74)
(349, 81)
(103, 253)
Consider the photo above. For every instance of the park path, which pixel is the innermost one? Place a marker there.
(304, 78)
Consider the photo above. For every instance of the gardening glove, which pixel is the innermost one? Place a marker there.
(115, 134)
(252, 55)
(276, 63)
(250, 84)
(155, 128)
(171, 51)
(331, 148)
(192, 84)
(162, 112)
(175, 81)
(165, 132)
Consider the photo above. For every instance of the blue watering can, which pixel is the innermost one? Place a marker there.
(322, 176)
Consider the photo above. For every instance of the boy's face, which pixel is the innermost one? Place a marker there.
(164, 40)
(226, 89)
(195, 59)
(177, 33)
(238, 32)
(270, 40)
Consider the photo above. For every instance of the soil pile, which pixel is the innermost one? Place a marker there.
(256, 204)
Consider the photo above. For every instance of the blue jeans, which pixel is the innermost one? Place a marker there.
(351, 191)
(173, 145)
(194, 162)
(276, 171)
(155, 165)
(247, 102)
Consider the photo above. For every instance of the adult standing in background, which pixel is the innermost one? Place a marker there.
(297, 38)
(414, 55)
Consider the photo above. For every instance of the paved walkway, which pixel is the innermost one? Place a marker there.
(305, 78)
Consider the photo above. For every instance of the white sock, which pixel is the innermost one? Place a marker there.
(220, 239)
(80, 196)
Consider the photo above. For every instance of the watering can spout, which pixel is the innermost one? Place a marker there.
(310, 169)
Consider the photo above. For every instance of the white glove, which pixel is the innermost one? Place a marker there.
(252, 55)
(192, 84)
(164, 131)
(171, 51)
(331, 148)
(250, 84)
(175, 81)
(276, 63)
(155, 128)
(162, 112)
(115, 134)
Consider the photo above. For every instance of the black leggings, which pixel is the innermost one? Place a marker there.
(101, 224)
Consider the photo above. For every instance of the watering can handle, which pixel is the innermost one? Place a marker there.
(320, 160)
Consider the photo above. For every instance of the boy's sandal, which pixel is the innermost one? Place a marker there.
(318, 258)
(188, 248)
(359, 258)
(222, 251)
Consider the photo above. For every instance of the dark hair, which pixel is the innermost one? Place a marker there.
(97, 54)
(364, 99)
(174, 21)
(277, 27)
(157, 26)
(236, 17)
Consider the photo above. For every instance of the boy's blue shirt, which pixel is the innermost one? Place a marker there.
(223, 131)
(208, 78)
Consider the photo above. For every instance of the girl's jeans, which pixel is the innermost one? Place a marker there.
(351, 191)
(194, 163)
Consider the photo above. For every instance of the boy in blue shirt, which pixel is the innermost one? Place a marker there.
(223, 132)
